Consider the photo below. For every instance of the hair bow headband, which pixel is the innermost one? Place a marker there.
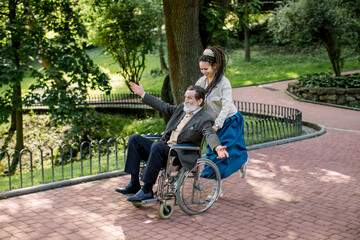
(208, 52)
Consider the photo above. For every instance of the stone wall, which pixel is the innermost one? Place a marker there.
(340, 96)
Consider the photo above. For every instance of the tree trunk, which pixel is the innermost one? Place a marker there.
(166, 96)
(246, 33)
(333, 51)
(19, 127)
(183, 44)
(19, 119)
(17, 102)
(164, 68)
(246, 42)
(13, 120)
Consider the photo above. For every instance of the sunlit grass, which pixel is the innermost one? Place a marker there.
(61, 172)
(268, 63)
(109, 65)
(271, 65)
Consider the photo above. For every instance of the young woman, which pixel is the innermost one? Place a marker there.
(229, 123)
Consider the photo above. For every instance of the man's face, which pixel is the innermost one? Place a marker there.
(190, 103)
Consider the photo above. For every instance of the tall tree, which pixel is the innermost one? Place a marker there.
(126, 28)
(330, 21)
(48, 31)
(161, 37)
(243, 11)
(212, 20)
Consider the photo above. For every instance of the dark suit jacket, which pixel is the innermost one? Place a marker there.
(192, 133)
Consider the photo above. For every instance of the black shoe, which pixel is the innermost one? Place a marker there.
(140, 195)
(128, 189)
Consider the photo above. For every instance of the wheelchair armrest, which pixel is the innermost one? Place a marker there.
(152, 136)
(186, 147)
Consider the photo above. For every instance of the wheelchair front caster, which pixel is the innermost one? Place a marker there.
(136, 204)
(163, 213)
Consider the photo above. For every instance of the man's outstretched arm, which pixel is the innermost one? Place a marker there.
(137, 89)
(151, 100)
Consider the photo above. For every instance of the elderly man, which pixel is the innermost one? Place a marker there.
(188, 124)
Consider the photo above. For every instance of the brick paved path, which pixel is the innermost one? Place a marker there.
(302, 190)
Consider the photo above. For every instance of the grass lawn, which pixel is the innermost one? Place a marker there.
(276, 63)
(58, 172)
(108, 65)
(268, 63)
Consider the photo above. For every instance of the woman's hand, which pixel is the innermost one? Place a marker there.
(138, 89)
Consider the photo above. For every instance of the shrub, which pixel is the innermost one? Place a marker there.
(327, 80)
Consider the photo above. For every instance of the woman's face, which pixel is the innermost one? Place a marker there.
(207, 69)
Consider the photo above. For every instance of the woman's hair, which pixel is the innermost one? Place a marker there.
(214, 55)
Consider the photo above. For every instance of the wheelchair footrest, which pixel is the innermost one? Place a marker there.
(148, 201)
(128, 195)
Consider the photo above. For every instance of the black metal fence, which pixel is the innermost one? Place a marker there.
(263, 123)
(267, 122)
(49, 164)
(125, 100)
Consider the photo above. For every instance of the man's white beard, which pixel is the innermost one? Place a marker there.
(188, 108)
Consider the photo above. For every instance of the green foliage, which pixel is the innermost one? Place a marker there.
(154, 72)
(48, 31)
(126, 29)
(113, 126)
(244, 12)
(40, 130)
(144, 126)
(328, 21)
(212, 24)
(327, 80)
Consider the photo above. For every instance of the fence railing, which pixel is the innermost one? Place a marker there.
(40, 165)
(50, 164)
(126, 100)
(269, 122)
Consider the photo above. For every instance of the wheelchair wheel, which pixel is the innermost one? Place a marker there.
(196, 189)
(163, 213)
(136, 204)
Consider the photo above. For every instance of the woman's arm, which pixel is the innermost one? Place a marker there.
(226, 101)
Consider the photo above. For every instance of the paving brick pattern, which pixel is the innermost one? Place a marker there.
(302, 190)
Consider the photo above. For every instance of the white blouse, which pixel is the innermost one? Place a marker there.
(219, 103)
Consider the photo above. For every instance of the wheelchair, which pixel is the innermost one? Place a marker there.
(195, 191)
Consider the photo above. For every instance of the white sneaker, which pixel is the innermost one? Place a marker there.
(210, 196)
(243, 171)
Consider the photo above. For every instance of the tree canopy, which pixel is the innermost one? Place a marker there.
(48, 32)
(332, 22)
(126, 28)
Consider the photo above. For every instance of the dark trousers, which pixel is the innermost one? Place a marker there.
(155, 155)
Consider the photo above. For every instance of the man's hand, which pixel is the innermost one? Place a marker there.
(138, 89)
(214, 128)
(221, 152)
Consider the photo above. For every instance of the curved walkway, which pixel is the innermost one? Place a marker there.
(303, 190)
